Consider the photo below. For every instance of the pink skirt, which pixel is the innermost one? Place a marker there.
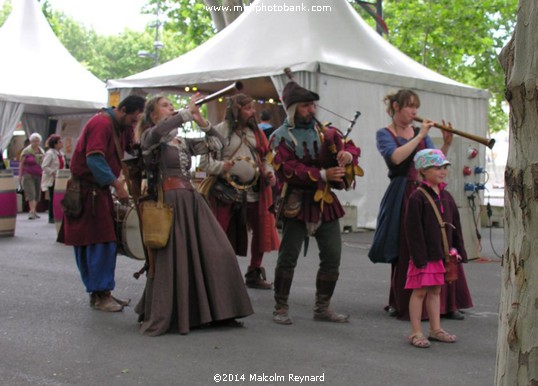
(432, 274)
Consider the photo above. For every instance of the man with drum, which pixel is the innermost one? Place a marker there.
(241, 195)
(96, 164)
(310, 160)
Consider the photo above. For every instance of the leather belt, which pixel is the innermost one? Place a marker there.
(173, 183)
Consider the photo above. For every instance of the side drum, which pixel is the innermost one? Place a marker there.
(128, 232)
(243, 174)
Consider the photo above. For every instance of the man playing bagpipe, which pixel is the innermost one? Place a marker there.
(310, 160)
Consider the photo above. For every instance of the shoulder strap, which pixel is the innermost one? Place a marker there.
(242, 140)
(119, 151)
(442, 223)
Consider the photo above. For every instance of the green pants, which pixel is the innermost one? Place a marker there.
(329, 242)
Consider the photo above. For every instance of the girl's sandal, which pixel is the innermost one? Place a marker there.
(441, 335)
(419, 340)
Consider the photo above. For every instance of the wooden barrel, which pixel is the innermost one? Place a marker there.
(62, 175)
(8, 203)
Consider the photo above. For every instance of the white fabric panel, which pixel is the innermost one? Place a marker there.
(10, 114)
(36, 124)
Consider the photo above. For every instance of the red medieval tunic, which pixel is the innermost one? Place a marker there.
(96, 225)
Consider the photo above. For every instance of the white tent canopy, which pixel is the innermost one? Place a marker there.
(336, 54)
(37, 72)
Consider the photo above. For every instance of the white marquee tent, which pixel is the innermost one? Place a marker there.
(38, 76)
(336, 54)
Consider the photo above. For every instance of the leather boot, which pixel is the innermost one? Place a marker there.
(325, 284)
(256, 278)
(283, 280)
(121, 302)
(105, 302)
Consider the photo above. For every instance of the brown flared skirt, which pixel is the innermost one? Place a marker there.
(197, 278)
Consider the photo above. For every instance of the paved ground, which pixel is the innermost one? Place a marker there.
(49, 335)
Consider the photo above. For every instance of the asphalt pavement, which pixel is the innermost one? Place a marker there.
(50, 336)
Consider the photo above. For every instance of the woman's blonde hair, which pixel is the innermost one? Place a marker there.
(145, 121)
(404, 97)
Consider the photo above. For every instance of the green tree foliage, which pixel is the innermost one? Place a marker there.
(81, 42)
(115, 56)
(460, 39)
(189, 19)
(5, 10)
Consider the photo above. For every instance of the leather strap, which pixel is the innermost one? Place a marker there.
(173, 183)
(442, 223)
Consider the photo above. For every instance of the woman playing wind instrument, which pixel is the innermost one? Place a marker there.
(398, 143)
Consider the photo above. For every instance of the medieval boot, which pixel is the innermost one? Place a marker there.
(255, 278)
(283, 280)
(325, 284)
(105, 302)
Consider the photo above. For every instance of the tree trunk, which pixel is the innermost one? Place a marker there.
(217, 16)
(517, 346)
(224, 14)
(234, 9)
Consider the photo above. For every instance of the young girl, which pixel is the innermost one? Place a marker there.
(425, 275)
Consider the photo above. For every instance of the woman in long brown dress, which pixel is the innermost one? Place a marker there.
(195, 279)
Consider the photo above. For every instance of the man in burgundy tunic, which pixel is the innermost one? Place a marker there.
(309, 162)
(97, 165)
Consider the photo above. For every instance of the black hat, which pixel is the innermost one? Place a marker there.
(293, 93)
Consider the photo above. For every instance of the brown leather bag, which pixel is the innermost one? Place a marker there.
(72, 201)
(157, 220)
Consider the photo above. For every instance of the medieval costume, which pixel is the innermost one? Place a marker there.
(97, 165)
(196, 279)
(404, 181)
(302, 156)
(250, 207)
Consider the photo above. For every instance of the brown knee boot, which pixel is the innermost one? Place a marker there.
(283, 280)
(325, 284)
(256, 278)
